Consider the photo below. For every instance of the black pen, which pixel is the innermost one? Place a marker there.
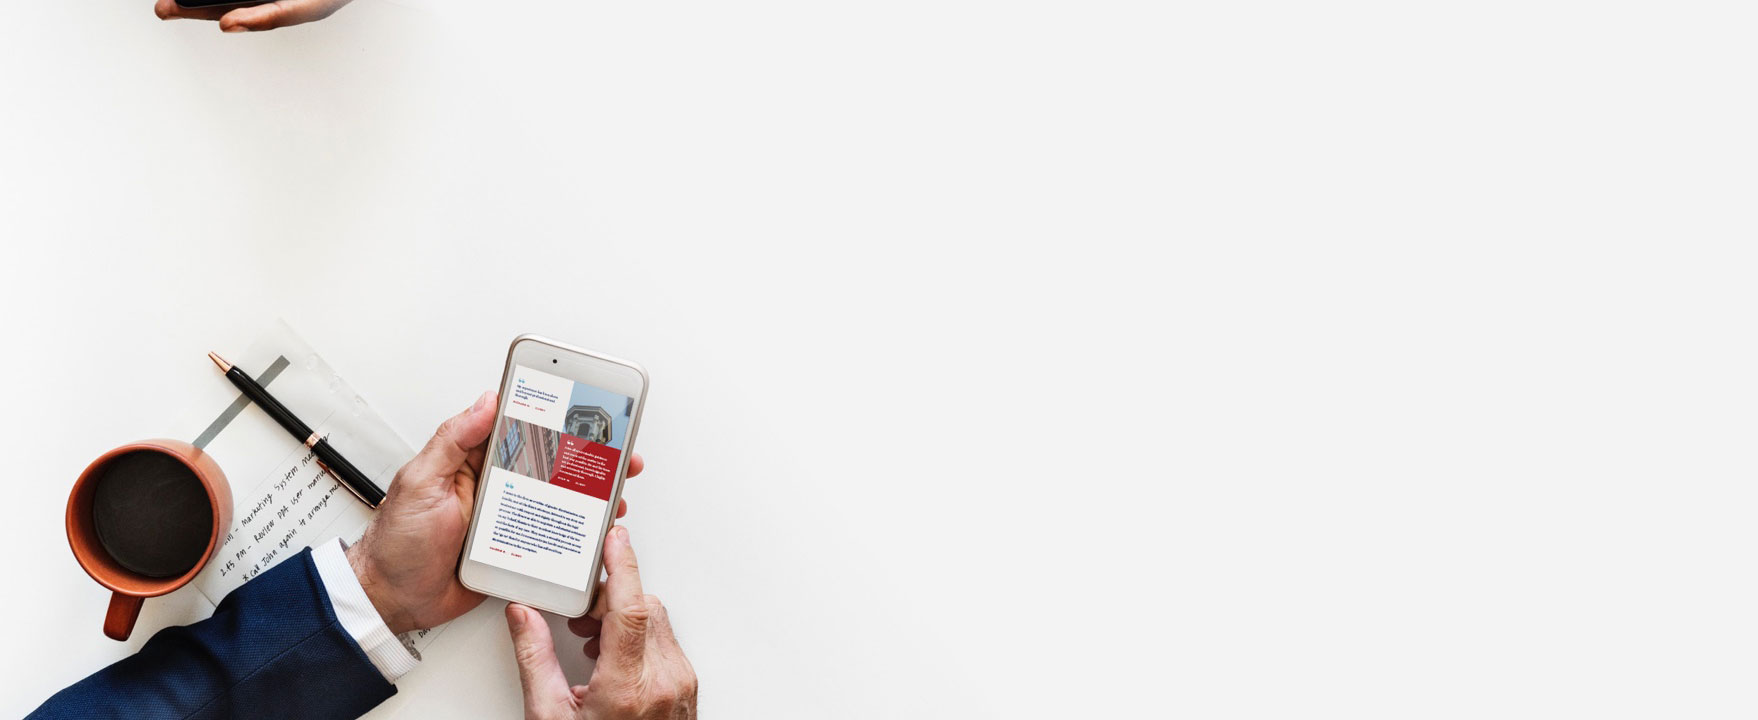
(344, 471)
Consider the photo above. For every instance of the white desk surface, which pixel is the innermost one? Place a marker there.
(1010, 359)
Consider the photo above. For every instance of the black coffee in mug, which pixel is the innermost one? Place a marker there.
(152, 514)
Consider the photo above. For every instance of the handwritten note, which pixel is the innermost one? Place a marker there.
(277, 519)
(291, 505)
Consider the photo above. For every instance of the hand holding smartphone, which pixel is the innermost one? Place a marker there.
(563, 436)
(249, 15)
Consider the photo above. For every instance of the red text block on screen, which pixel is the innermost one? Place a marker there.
(586, 467)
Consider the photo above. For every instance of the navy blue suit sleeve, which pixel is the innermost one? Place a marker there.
(273, 649)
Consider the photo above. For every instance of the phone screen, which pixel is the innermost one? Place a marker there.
(550, 473)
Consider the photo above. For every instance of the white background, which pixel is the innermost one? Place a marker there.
(1010, 359)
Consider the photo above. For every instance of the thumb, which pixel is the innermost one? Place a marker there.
(451, 444)
(539, 671)
(280, 13)
(623, 641)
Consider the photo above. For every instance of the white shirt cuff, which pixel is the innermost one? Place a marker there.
(358, 617)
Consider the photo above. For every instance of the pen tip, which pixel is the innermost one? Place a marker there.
(220, 361)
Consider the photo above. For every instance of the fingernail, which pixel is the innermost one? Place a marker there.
(518, 617)
(622, 534)
(235, 29)
(481, 401)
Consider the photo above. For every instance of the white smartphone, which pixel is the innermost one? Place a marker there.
(563, 436)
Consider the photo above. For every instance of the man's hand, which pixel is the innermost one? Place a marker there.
(266, 16)
(641, 673)
(408, 559)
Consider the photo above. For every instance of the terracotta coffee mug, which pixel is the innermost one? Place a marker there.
(131, 588)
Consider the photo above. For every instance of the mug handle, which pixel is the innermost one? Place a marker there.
(124, 610)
